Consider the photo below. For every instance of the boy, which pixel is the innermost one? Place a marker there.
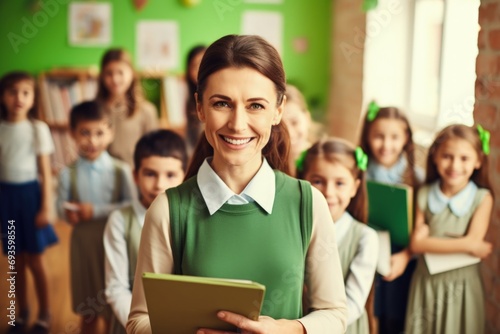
(89, 190)
(160, 159)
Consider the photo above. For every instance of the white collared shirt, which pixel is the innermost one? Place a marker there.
(118, 292)
(216, 193)
(362, 268)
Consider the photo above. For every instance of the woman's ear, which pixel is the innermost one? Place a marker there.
(199, 108)
(278, 114)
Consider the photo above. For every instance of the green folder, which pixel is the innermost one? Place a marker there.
(390, 208)
(183, 304)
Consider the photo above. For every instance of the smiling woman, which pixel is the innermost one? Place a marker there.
(239, 215)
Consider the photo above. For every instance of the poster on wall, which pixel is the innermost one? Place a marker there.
(89, 24)
(266, 24)
(157, 45)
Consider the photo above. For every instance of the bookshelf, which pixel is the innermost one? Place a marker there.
(61, 89)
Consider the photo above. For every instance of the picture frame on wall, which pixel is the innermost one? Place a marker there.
(157, 45)
(89, 24)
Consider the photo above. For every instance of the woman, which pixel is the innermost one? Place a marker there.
(247, 214)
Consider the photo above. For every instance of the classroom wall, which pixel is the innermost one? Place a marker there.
(486, 112)
(35, 38)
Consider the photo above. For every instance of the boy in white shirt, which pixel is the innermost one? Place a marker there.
(160, 159)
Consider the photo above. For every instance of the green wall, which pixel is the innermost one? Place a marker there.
(47, 46)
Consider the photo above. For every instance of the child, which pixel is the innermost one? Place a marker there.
(387, 139)
(298, 120)
(160, 160)
(194, 127)
(25, 193)
(120, 91)
(89, 190)
(452, 216)
(336, 169)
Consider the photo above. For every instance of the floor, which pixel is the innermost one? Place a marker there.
(64, 321)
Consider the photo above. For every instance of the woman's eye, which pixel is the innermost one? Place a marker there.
(221, 104)
(256, 106)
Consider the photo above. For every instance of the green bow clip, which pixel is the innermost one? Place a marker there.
(369, 5)
(373, 110)
(299, 163)
(361, 158)
(484, 136)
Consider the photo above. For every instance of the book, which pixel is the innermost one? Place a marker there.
(439, 263)
(384, 253)
(390, 208)
(183, 304)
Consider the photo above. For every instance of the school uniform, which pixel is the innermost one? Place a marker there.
(358, 252)
(106, 183)
(451, 302)
(20, 192)
(122, 236)
(254, 235)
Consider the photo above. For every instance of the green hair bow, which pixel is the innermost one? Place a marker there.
(484, 136)
(373, 110)
(299, 163)
(361, 158)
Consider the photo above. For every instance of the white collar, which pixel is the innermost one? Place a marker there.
(342, 225)
(393, 174)
(459, 204)
(216, 193)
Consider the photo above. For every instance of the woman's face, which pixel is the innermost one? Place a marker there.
(239, 108)
(118, 77)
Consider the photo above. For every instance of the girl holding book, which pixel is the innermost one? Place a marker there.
(336, 169)
(258, 223)
(120, 92)
(26, 207)
(387, 139)
(452, 216)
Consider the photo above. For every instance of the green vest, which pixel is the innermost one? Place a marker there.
(245, 242)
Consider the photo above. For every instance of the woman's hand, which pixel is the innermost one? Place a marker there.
(399, 261)
(265, 325)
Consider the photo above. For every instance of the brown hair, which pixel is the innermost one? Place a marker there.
(409, 176)
(8, 81)
(134, 94)
(337, 150)
(470, 134)
(240, 52)
(294, 95)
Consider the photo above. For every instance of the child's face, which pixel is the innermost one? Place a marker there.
(155, 175)
(335, 182)
(18, 100)
(194, 66)
(92, 138)
(239, 110)
(455, 159)
(386, 138)
(297, 123)
(118, 77)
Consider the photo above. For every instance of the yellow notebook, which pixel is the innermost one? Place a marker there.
(182, 304)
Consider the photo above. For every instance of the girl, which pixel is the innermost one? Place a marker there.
(452, 216)
(194, 126)
(283, 225)
(335, 168)
(25, 193)
(387, 138)
(298, 121)
(120, 91)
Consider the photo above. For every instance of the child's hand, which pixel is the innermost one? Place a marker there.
(399, 261)
(86, 211)
(43, 218)
(480, 248)
(72, 216)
